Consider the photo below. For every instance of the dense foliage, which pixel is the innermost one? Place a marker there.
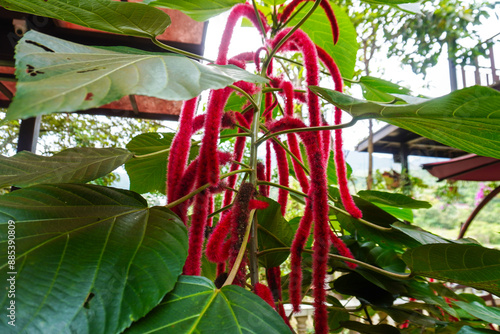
(93, 259)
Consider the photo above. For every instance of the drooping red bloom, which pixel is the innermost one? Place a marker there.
(263, 292)
(214, 249)
(196, 234)
(318, 195)
(292, 138)
(261, 176)
(343, 250)
(298, 244)
(179, 149)
(274, 281)
(238, 11)
(240, 216)
(255, 204)
(239, 148)
(340, 165)
(209, 160)
(325, 4)
(301, 40)
(282, 174)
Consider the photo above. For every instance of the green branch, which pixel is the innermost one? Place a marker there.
(343, 258)
(313, 128)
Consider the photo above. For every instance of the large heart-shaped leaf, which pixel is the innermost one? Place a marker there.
(74, 165)
(148, 173)
(118, 17)
(318, 28)
(273, 232)
(196, 306)
(56, 75)
(468, 119)
(89, 259)
(199, 10)
(471, 265)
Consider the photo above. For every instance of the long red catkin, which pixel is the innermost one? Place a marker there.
(187, 183)
(308, 49)
(299, 241)
(179, 149)
(282, 174)
(292, 138)
(325, 4)
(263, 292)
(326, 141)
(318, 194)
(274, 281)
(240, 217)
(196, 234)
(238, 11)
(345, 196)
(343, 250)
(214, 250)
(261, 176)
(209, 161)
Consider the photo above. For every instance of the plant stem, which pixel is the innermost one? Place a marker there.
(272, 184)
(203, 187)
(343, 258)
(179, 51)
(253, 247)
(241, 253)
(257, 15)
(314, 128)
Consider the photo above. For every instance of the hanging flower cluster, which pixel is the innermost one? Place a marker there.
(223, 245)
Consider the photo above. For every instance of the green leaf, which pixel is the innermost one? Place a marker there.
(199, 10)
(422, 236)
(391, 238)
(467, 119)
(483, 312)
(375, 89)
(401, 213)
(273, 232)
(370, 329)
(471, 265)
(356, 285)
(74, 165)
(319, 30)
(133, 19)
(392, 199)
(196, 306)
(336, 315)
(274, 2)
(88, 258)
(56, 75)
(149, 174)
(472, 330)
